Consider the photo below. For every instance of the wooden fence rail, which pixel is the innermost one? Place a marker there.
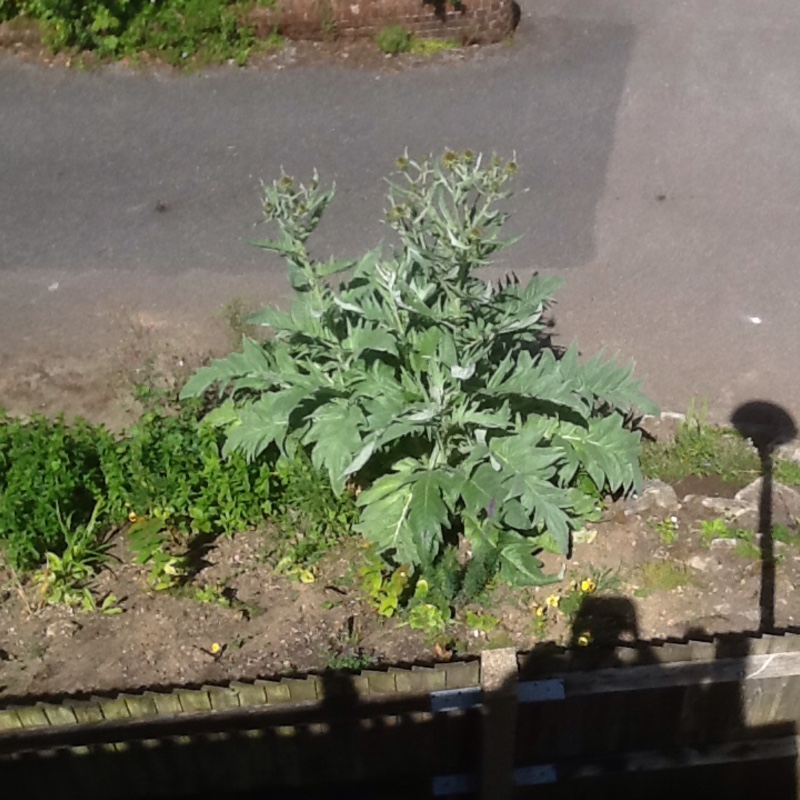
(649, 719)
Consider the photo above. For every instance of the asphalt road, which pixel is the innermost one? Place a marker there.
(659, 175)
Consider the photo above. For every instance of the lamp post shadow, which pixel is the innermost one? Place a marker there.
(767, 426)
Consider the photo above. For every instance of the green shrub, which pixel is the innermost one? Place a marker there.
(9, 9)
(170, 467)
(394, 39)
(436, 391)
(179, 31)
(93, 25)
(210, 30)
(48, 471)
(167, 466)
(312, 517)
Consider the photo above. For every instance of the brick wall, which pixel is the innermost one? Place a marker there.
(473, 21)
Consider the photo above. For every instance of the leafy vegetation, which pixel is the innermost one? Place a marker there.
(170, 467)
(432, 46)
(178, 31)
(394, 39)
(701, 449)
(48, 469)
(746, 545)
(166, 475)
(661, 576)
(65, 578)
(311, 517)
(667, 529)
(437, 393)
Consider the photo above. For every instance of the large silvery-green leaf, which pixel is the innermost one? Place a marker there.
(541, 380)
(404, 512)
(545, 503)
(604, 449)
(607, 381)
(253, 362)
(255, 430)
(362, 339)
(483, 492)
(265, 421)
(518, 564)
(336, 435)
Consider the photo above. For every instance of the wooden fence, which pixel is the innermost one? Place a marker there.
(641, 720)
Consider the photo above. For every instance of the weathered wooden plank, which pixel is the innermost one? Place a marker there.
(276, 692)
(114, 708)
(427, 679)
(461, 674)
(32, 717)
(302, 691)
(59, 714)
(250, 694)
(655, 676)
(166, 704)
(222, 697)
(9, 720)
(87, 712)
(192, 700)
(380, 682)
(140, 705)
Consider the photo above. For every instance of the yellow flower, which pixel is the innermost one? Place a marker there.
(216, 648)
(588, 585)
(540, 611)
(573, 586)
(585, 639)
(133, 517)
(553, 601)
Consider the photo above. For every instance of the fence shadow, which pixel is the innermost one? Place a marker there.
(637, 720)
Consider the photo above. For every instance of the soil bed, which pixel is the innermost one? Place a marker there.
(24, 42)
(264, 624)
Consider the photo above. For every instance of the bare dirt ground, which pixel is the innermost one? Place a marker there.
(22, 39)
(237, 619)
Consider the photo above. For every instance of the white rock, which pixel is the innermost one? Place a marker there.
(699, 563)
(655, 495)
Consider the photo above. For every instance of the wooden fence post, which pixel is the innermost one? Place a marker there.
(499, 723)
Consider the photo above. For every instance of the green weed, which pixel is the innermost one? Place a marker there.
(65, 578)
(481, 622)
(154, 545)
(745, 546)
(786, 472)
(430, 47)
(700, 449)
(393, 40)
(786, 535)
(661, 576)
(235, 313)
(312, 518)
(212, 594)
(346, 652)
(49, 468)
(667, 529)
